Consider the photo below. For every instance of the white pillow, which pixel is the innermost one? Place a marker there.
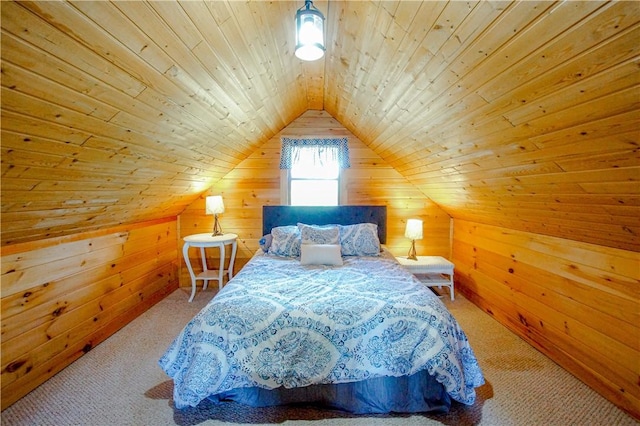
(320, 254)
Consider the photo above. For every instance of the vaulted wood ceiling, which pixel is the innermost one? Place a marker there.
(520, 114)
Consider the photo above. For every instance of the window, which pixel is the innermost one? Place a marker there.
(313, 171)
(314, 179)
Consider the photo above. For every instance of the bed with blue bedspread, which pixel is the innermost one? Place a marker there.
(323, 315)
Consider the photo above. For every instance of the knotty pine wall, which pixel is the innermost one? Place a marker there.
(256, 182)
(63, 296)
(578, 303)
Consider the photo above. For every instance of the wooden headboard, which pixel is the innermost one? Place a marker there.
(273, 216)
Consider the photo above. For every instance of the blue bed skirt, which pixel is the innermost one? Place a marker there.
(417, 393)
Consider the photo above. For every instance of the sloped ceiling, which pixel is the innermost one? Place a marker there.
(519, 114)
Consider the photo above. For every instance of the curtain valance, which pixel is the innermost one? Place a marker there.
(326, 150)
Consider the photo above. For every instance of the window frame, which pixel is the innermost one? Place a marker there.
(289, 144)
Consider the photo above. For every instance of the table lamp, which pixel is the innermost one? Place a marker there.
(413, 231)
(215, 206)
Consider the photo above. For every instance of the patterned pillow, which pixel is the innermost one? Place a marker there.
(285, 241)
(360, 239)
(312, 234)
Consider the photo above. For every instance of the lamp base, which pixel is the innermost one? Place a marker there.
(217, 229)
(412, 251)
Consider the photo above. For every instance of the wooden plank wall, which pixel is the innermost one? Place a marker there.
(578, 303)
(370, 180)
(63, 296)
(521, 114)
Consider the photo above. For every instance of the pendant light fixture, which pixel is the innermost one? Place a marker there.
(309, 32)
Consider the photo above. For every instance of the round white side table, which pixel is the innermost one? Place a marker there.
(204, 241)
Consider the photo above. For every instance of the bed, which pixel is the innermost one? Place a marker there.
(324, 315)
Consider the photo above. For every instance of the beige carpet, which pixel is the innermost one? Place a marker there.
(119, 383)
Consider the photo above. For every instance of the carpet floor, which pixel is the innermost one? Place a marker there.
(119, 383)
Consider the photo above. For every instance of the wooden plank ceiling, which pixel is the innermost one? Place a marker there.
(518, 114)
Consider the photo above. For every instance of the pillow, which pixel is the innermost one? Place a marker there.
(320, 254)
(265, 242)
(285, 241)
(313, 234)
(360, 239)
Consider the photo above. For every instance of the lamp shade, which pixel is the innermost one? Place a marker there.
(413, 231)
(309, 32)
(214, 205)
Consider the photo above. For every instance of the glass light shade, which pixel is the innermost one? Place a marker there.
(214, 205)
(309, 33)
(413, 231)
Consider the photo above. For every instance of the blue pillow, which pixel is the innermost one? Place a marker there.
(265, 242)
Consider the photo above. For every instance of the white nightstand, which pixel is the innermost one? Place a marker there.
(431, 270)
(208, 240)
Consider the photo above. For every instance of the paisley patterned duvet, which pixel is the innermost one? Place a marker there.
(278, 323)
